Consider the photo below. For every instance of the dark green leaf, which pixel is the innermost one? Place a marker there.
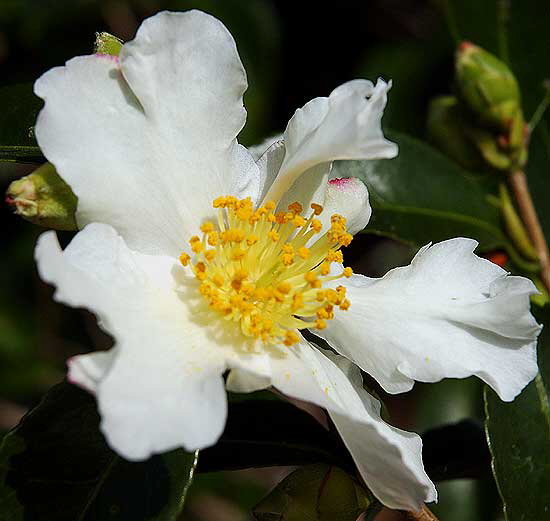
(421, 196)
(519, 439)
(317, 493)
(56, 466)
(18, 110)
(264, 433)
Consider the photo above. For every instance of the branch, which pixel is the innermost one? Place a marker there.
(518, 182)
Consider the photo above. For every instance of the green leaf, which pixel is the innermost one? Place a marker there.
(56, 466)
(19, 108)
(265, 433)
(421, 197)
(519, 439)
(317, 493)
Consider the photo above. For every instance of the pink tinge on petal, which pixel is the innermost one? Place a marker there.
(341, 182)
(110, 57)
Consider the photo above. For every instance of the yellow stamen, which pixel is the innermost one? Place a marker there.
(265, 271)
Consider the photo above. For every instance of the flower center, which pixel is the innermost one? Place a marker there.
(263, 271)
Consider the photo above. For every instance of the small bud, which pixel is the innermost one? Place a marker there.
(106, 43)
(487, 87)
(445, 128)
(43, 198)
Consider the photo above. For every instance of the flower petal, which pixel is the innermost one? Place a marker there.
(448, 314)
(388, 459)
(148, 141)
(346, 125)
(348, 197)
(161, 386)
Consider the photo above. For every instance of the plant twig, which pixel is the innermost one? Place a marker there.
(518, 182)
(424, 515)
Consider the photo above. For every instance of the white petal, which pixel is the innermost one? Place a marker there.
(148, 141)
(348, 197)
(346, 125)
(86, 371)
(162, 387)
(242, 381)
(448, 314)
(388, 459)
(257, 151)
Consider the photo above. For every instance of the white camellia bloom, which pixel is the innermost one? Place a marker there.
(199, 259)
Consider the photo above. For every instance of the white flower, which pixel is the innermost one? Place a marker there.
(147, 142)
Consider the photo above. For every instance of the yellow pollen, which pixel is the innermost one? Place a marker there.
(263, 271)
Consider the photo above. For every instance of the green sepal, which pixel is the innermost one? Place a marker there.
(43, 198)
(106, 43)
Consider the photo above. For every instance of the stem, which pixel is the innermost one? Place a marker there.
(518, 182)
(541, 109)
(424, 515)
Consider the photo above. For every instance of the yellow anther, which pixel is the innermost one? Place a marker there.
(219, 202)
(297, 301)
(197, 247)
(207, 227)
(320, 324)
(317, 208)
(271, 218)
(311, 277)
(252, 239)
(274, 236)
(237, 254)
(209, 255)
(287, 258)
(335, 256)
(213, 238)
(295, 207)
(218, 280)
(325, 268)
(287, 248)
(232, 235)
(185, 259)
(345, 305)
(316, 225)
(291, 338)
(320, 296)
(270, 206)
(303, 252)
(194, 239)
(348, 272)
(284, 288)
(345, 239)
(298, 221)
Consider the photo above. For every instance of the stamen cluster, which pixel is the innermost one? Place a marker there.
(262, 270)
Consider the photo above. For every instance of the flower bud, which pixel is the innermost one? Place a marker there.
(487, 87)
(445, 128)
(321, 492)
(106, 43)
(43, 198)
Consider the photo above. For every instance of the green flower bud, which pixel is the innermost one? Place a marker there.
(321, 492)
(445, 128)
(106, 43)
(487, 87)
(43, 198)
